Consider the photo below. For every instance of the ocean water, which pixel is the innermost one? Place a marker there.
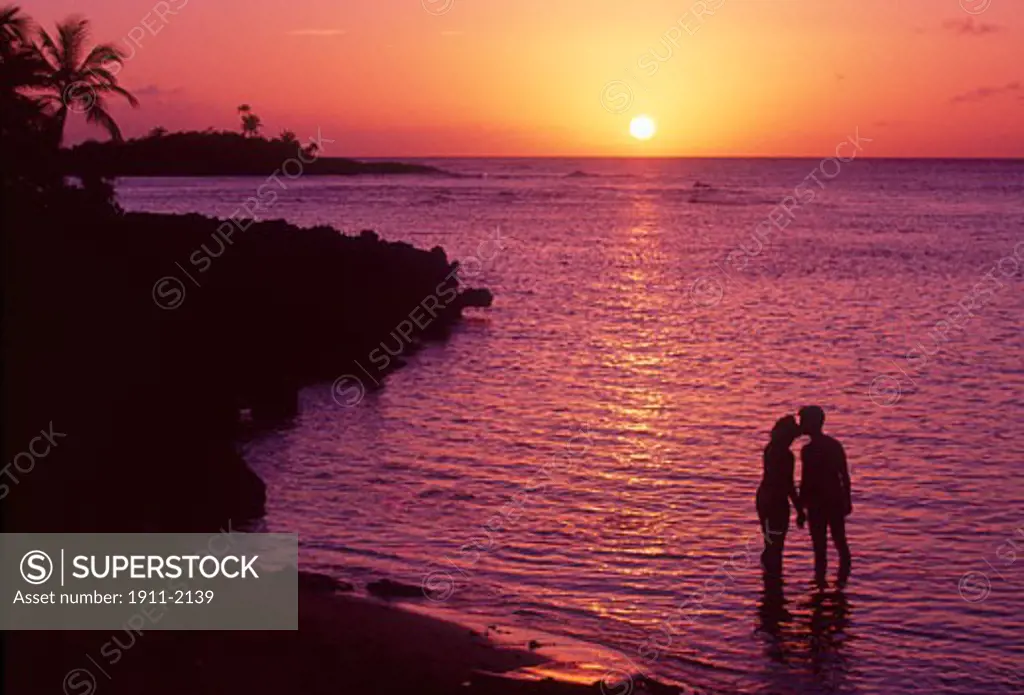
(582, 457)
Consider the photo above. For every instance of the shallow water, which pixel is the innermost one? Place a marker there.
(582, 457)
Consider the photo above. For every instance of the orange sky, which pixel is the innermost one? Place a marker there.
(526, 77)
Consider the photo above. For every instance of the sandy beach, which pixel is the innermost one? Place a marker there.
(345, 643)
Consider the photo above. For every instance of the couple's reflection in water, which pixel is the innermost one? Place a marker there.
(805, 641)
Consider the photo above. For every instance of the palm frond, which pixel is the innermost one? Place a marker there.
(98, 114)
(102, 54)
(73, 33)
(49, 99)
(23, 69)
(106, 87)
(99, 75)
(48, 50)
(14, 24)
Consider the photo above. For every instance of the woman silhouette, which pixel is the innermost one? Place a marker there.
(776, 491)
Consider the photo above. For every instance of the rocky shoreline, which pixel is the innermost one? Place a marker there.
(148, 394)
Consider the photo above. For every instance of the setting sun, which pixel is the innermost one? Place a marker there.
(642, 128)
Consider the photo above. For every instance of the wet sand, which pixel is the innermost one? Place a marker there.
(344, 643)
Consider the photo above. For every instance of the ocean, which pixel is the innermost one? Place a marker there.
(581, 459)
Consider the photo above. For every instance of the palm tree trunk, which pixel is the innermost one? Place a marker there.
(58, 129)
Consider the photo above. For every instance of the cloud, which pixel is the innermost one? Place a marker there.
(155, 91)
(968, 27)
(316, 32)
(984, 93)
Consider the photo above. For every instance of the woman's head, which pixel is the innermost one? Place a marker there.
(786, 430)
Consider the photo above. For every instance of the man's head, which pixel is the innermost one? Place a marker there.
(812, 419)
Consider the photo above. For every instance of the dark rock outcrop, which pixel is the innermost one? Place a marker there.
(481, 298)
(388, 589)
(322, 583)
(148, 392)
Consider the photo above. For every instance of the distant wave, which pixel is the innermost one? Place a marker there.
(705, 200)
(693, 196)
(539, 175)
(575, 174)
(443, 197)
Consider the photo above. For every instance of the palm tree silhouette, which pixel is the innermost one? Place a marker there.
(79, 81)
(20, 64)
(251, 123)
(21, 70)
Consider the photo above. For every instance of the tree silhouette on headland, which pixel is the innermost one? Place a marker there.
(251, 123)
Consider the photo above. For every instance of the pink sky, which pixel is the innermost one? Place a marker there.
(526, 77)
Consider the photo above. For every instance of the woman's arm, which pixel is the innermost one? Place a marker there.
(795, 495)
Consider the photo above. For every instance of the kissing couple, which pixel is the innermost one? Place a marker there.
(823, 501)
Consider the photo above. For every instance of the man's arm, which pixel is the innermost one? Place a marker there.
(844, 472)
(795, 497)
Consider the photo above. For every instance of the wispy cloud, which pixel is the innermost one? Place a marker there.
(152, 90)
(984, 93)
(968, 27)
(316, 32)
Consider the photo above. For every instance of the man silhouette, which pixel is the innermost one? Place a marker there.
(824, 492)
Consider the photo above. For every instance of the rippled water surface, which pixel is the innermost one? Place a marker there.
(583, 456)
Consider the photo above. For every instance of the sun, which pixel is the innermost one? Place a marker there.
(642, 128)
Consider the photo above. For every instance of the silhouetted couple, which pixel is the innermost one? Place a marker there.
(823, 500)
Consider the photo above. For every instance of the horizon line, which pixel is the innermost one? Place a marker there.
(973, 158)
